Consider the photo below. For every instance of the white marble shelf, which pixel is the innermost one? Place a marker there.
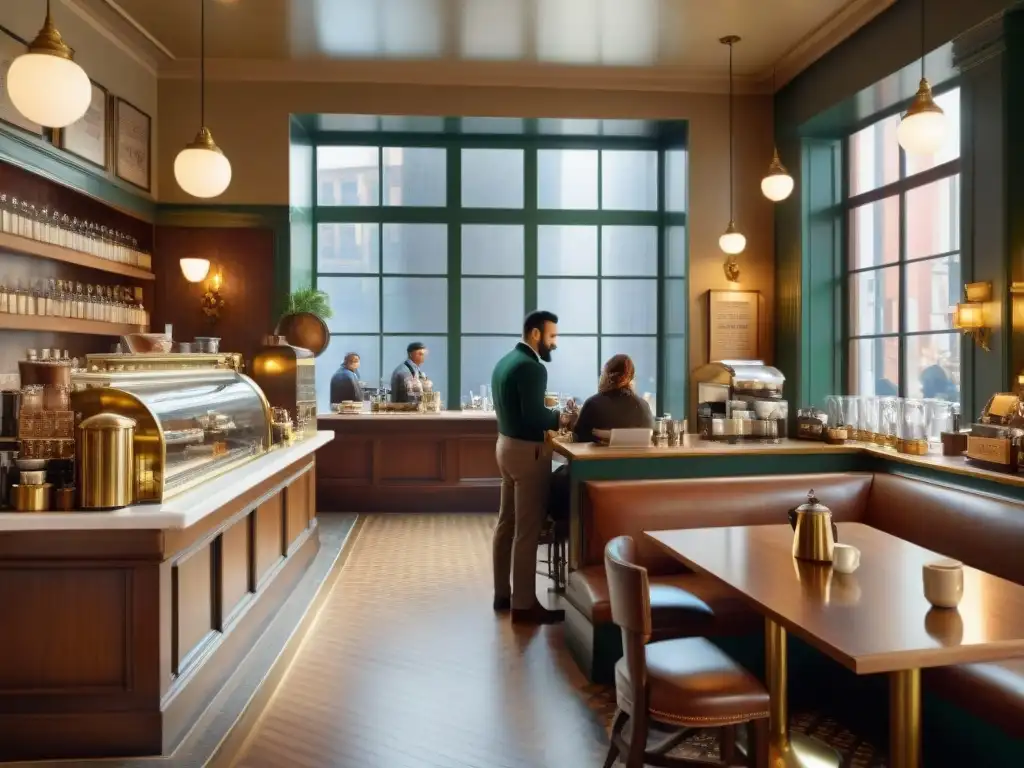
(181, 511)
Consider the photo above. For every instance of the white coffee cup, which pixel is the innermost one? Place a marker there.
(944, 583)
(845, 558)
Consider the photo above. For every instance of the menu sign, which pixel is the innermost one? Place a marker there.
(133, 132)
(733, 325)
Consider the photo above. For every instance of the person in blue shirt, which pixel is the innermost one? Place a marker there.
(345, 382)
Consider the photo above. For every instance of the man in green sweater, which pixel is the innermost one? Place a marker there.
(518, 385)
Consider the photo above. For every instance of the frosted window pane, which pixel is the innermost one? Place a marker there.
(573, 370)
(629, 306)
(435, 366)
(347, 176)
(675, 180)
(675, 306)
(347, 248)
(479, 356)
(629, 251)
(567, 179)
(644, 352)
(355, 302)
(492, 305)
(574, 301)
(492, 178)
(566, 250)
(368, 349)
(415, 304)
(414, 176)
(492, 249)
(629, 180)
(416, 249)
(675, 247)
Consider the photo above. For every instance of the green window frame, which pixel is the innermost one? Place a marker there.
(670, 279)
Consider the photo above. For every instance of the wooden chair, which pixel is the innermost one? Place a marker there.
(555, 537)
(682, 684)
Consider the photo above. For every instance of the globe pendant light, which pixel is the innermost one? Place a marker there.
(201, 169)
(922, 130)
(45, 84)
(778, 184)
(732, 241)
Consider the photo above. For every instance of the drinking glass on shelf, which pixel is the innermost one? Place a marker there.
(888, 421)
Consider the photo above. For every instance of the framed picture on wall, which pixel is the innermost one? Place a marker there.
(11, 47)
(132, 144)
(734, 325)
(88, 138)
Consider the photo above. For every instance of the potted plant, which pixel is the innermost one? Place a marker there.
(303, 320)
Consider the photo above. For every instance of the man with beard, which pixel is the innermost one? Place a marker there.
(518, 386)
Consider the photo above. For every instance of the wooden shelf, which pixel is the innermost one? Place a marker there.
(25, 245)
(10, 322)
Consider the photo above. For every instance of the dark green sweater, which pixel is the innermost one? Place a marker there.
(518, 385)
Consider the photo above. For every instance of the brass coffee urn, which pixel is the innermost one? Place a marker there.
(814, 533)
(287, 376)
(106, 461)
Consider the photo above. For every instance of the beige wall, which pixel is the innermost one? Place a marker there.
(250, 122)
(101, 58)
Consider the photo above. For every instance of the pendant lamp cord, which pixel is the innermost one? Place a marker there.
(202, 63)
(730, 136)
(922, 39)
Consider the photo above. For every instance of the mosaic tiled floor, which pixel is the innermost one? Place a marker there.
(407, 667)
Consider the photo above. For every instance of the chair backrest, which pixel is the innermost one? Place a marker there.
(628, 588)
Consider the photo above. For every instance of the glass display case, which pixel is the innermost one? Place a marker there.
(190, 425)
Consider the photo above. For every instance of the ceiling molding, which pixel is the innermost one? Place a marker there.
(463, 73)
(837, 28)
(122, 31)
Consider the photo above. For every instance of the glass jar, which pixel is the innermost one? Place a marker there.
(913, 437)
(888, 422)
(851, 415)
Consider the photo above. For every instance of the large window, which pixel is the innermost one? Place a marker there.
(903, 263)
(452, 240)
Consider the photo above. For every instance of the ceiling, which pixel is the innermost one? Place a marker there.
(666, 36)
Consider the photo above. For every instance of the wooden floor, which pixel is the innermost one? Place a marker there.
(408, 667)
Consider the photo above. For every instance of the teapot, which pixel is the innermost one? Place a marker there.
(814, 533)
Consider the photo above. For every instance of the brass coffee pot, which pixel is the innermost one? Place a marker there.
(814, 533)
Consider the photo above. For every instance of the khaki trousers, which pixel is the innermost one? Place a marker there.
(525, 481)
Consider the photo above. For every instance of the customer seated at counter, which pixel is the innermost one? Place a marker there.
(407, 379)
(345, 382)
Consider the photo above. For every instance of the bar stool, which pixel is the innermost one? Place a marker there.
(685, 683)
(555, 537)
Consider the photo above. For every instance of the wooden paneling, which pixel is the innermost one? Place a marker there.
(63, 629)
(246, 260)
(269, 546)
(235, 567)
(409, 460)
(476, 459)
(298, 507)
(193, 596)
(347, 457)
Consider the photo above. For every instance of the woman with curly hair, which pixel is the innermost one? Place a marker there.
(616, 405)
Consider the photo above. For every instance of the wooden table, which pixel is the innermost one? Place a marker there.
(875, 620)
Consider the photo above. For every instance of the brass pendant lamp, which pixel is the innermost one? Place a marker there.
(45, 84)
(778, 184)
(922, 130)
(732, 241)
(201, 169)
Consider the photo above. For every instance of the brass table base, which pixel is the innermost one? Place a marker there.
(803, 751)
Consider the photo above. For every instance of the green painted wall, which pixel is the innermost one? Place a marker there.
(302, 185)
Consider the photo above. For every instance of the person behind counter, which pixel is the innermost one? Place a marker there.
(518, 384)
(407, 379)
(345, 382)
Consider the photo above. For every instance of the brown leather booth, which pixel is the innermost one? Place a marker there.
(982, 530)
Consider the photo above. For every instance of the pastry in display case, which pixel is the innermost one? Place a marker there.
(189, 425)
(740, 400)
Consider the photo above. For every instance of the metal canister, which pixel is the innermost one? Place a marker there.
(106, 460)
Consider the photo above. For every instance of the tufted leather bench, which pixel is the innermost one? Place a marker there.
(984, 531)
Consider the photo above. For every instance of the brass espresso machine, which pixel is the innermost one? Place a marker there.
(740, 400)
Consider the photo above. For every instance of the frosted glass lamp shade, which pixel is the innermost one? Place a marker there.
(778, 184)
(49, 89)
(195, 270)
(733, 241)
(201, 169)
(922, 131)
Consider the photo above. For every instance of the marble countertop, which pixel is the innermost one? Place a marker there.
(181, 511)
(441, 415)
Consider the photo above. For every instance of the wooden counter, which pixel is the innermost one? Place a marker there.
(409, 462)
(119, 628)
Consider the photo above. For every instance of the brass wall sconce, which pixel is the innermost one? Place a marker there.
(213, 301)
(732, 269)
(970, 315)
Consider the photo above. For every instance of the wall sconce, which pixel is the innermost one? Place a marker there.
(213, 302)
(970, 315)
(195, 270)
